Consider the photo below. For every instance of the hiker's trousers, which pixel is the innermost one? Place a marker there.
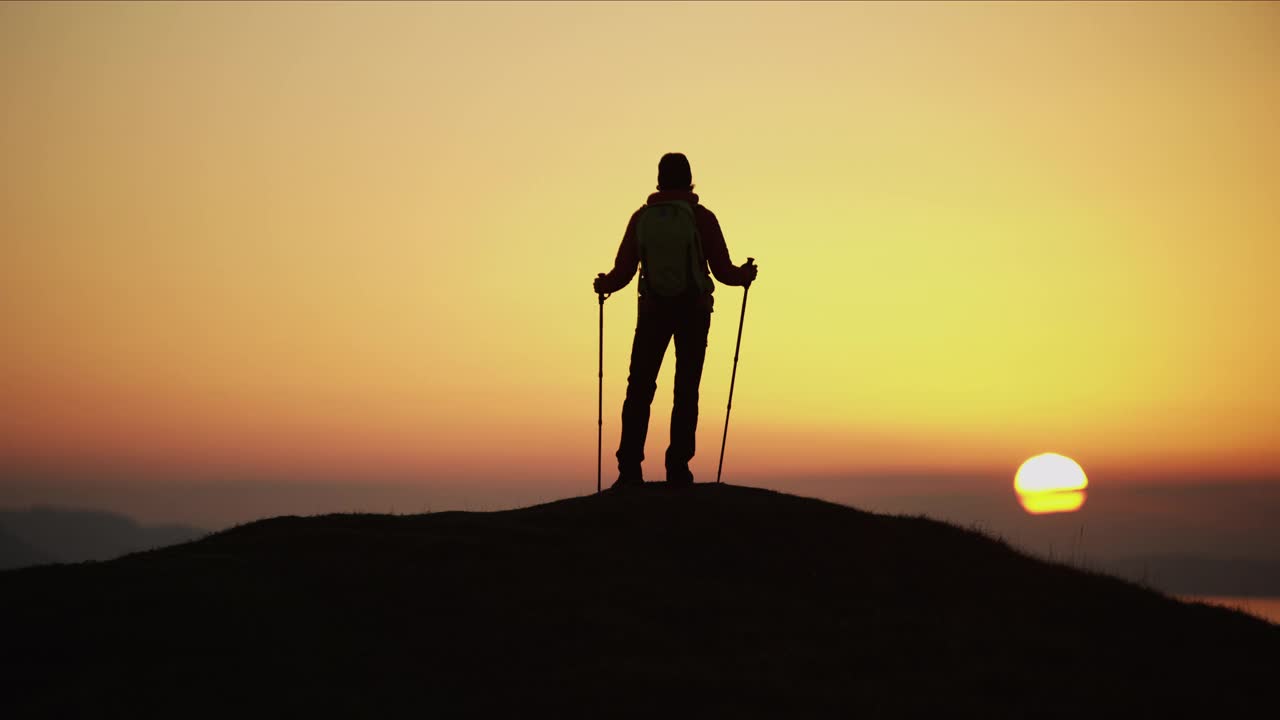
(656, 324)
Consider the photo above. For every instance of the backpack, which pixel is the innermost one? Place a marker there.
(671, 260)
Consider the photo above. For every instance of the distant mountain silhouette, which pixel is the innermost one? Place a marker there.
(714, 600)
(1186, 574)
(15, 554)
(63, 535)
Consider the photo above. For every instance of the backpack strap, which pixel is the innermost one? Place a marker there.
(700, 263)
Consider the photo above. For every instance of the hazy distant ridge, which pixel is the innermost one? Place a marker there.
(44, 535)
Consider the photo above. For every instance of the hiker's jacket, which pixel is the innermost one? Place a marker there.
(713, 246)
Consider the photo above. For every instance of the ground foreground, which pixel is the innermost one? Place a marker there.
(713, 600)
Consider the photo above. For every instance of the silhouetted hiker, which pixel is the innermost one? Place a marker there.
(673, 239)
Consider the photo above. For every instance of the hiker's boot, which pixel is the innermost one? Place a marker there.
(628, 477)
(679, 476)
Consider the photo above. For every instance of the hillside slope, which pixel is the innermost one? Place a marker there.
(712, 599)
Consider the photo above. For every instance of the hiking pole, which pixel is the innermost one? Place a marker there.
(600, 395)
(734, 378)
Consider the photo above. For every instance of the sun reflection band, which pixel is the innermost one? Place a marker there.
(1044, 503)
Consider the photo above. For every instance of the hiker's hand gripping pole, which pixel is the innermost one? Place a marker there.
(734, 378)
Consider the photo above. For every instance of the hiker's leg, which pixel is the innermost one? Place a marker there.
(691, 352)
(653, 333)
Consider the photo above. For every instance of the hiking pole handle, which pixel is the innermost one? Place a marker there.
(750, 263)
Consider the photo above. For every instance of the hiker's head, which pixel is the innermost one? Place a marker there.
(674, 172)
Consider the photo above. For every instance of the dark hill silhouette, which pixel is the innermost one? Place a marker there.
(717, 600)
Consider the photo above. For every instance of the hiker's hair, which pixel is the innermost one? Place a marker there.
(674, 172)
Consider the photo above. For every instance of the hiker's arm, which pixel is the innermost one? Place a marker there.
(624, 265)
(717, 252)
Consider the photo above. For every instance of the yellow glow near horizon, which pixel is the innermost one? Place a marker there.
(1047, 503)
(358, 238)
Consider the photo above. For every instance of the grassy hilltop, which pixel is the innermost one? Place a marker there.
(715, 600)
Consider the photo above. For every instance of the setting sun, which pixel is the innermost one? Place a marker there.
(1050, 483)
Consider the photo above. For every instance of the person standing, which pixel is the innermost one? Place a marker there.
(677, 245)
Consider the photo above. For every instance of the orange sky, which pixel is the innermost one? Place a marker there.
(358, 239)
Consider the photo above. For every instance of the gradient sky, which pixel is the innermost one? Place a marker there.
(355, 241)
